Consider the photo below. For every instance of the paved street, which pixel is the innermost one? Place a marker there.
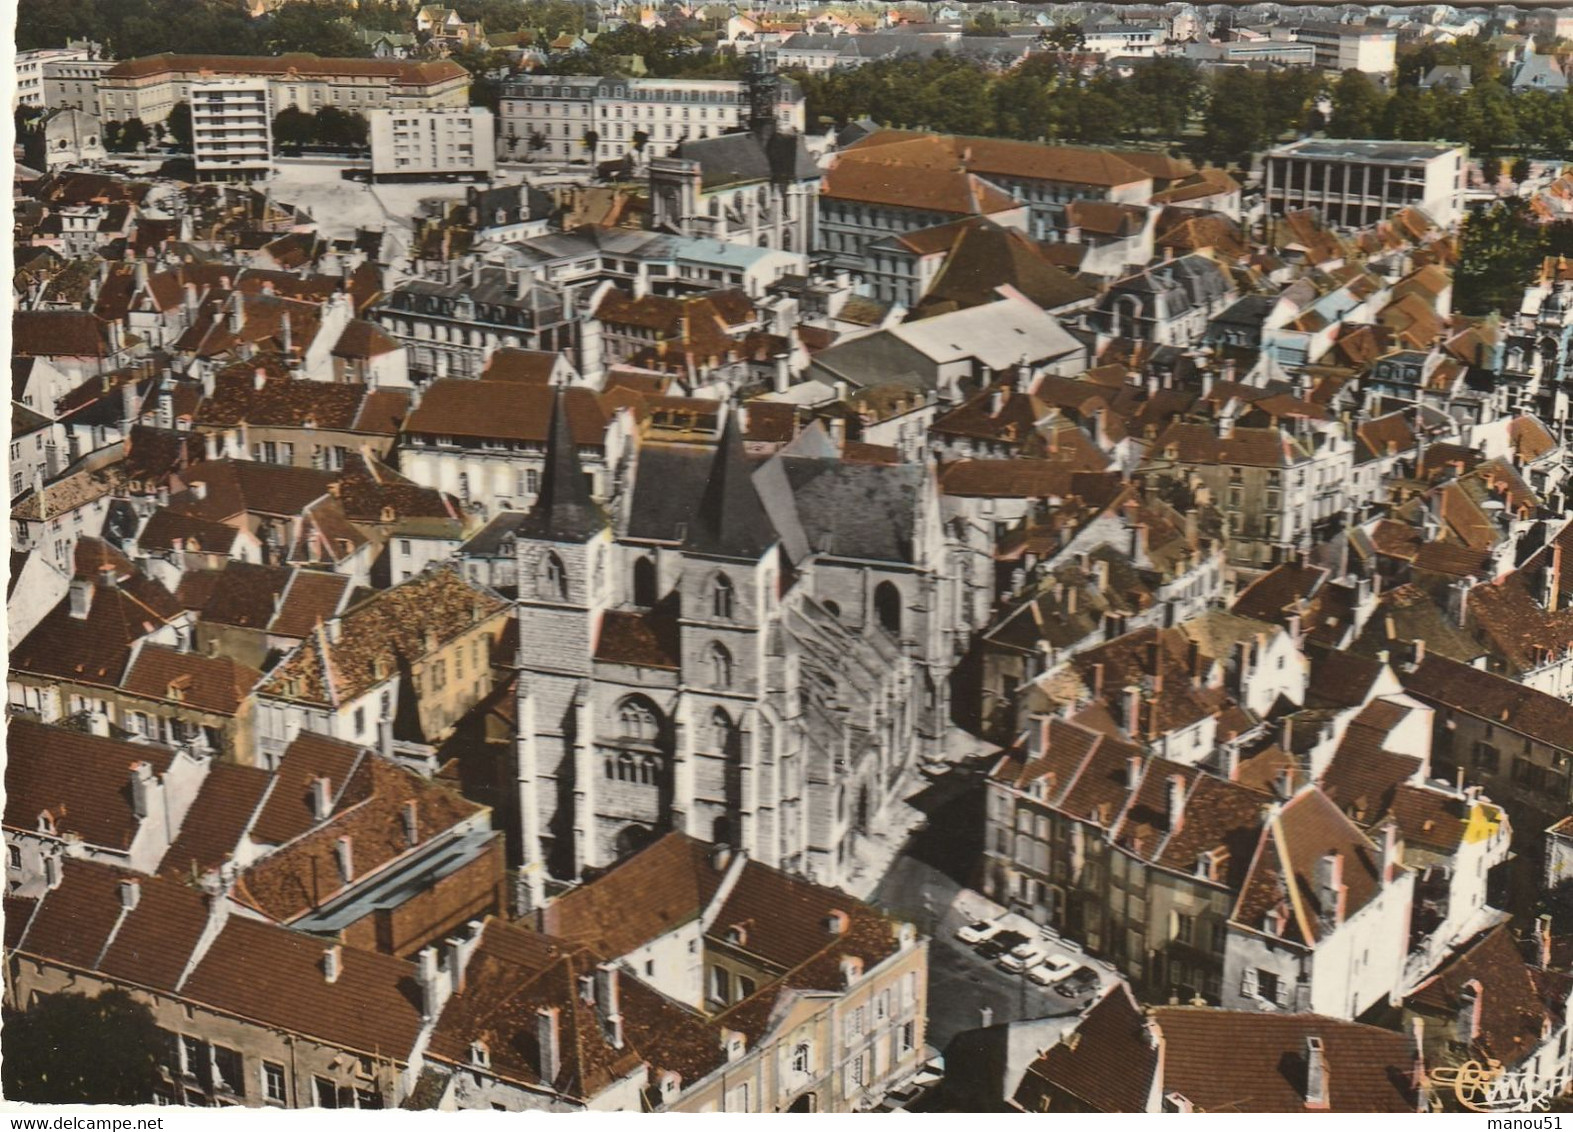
(926, 885)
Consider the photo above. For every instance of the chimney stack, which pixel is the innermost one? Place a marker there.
(1471, 999)
(130, 894)
(1331, 892)
(332, 963)
(1316, 1095)
(547, 1038)
(81, 598)
(142, 786)
(1176, 802)
(344, 851)
(412, 825)
(321, 798)
(1133, 707)
(1391, 859)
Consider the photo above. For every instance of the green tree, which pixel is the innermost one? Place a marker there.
(1236, 123)
(1499, 252)
(1065, 37)
(1520, 171)
(111, 134)
(640, 139)
(343, 128)
(1491, 170)
(71, 1049)
(178, 124)
(294, 127)
(986, 24)
(1357, 106)
(591, 139)
(321, 26)
(134, 134)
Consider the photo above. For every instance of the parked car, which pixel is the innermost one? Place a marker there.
(997, 945)
(1053, 969)
(980, 931)
(1023, 957)
(1083, 980)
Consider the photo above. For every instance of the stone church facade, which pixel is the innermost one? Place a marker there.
(750, 655)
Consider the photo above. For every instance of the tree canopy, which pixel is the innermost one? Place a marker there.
(70, 1049)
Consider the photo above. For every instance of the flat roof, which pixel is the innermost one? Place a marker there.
(1357, 149)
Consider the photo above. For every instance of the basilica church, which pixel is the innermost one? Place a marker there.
(749, 651)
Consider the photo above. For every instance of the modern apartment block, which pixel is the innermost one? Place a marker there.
(30, 70)
(550, 118)
(149, 88)
(1356, 183)
(232, 129)
(443, 144)
(1346, 47)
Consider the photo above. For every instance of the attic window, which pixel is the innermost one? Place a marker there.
(178, 687)
(737, 934)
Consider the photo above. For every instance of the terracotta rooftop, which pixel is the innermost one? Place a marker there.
(79, 780)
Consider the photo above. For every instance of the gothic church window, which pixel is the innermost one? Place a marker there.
(720, 666)
(637, 722)
(723, 598)
(553, 579)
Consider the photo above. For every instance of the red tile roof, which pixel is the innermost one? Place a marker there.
(214, 684)
(1237, 1061)
(80, 780)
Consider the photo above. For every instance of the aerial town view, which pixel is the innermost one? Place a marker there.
(790, 556)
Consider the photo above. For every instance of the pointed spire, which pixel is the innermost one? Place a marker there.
(731, 521)
(563, 511)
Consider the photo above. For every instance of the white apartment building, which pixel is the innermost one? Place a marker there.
(73, 83)
(549, 118)
(148, 88)
(232, 129)
(1356, 183)
(1350, 47)
(449, 143)
(30, 73)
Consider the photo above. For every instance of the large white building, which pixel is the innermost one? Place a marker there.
(1351, 47)
(30, 66)
(232, 129)
(550, 118)
(150, 87)
(1357, 183)
(73, 82)
(430, 144)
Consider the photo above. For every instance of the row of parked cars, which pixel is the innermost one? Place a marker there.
(1038, 959)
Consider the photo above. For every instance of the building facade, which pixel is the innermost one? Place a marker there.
(551, 118)
(449, 143)
(1357, 183)
(232, 129)
(148, 88)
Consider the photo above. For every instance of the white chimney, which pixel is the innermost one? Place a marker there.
(344, 850)
(130, 894)
(1330, 888)
(548, 1039)
(321, 798)
(81, 598)
(1176, 802)
(142, 786)
(1316, 1094)
(332, 963)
